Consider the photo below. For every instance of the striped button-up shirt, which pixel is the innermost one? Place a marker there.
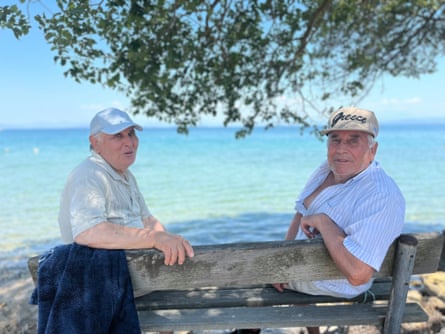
(369, 208)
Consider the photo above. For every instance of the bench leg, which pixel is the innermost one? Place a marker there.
(403, 268)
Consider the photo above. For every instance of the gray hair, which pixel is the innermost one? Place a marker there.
(371, 141)
(98, 137)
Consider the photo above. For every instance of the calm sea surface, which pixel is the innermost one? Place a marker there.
(208, 186)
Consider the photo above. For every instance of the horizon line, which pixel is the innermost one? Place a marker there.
(43, 126)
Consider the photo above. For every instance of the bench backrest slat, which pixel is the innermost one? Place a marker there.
(235, 265)
(245, 264)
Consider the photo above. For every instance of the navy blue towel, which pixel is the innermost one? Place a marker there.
(85, 290)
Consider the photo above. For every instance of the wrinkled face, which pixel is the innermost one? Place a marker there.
(349, 153)
(119, 150)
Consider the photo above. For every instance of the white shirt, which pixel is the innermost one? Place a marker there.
(95, 193)
(369, 208)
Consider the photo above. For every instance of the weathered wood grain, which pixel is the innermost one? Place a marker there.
(241, 264)
(249, 296)
(272, 317)
(237, 265)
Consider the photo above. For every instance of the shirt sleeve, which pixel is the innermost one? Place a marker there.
(88, 205)
(377, 222)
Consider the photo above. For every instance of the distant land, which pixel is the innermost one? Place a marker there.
(43, 126)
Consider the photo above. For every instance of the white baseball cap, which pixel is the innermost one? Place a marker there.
(352, 119)
(111, 121)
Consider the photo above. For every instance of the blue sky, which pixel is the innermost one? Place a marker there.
(35, 93)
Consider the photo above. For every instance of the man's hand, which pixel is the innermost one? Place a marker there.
(174, 247)
(280, 286)
(312, 225)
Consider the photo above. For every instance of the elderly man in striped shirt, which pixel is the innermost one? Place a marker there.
(351, 203)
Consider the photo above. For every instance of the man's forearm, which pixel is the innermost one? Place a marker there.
(153, 224)
(356, 271)
(112, 236)
(293, 227)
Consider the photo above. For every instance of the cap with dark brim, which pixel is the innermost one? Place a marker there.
(352, 119)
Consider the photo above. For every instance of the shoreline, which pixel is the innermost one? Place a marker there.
(17, 316)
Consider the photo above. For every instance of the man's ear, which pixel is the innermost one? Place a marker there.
(93, 142)
(374, 148)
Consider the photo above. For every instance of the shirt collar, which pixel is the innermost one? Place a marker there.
(100, 161)
(364, 172)
(374, 164)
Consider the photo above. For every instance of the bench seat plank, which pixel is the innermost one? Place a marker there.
(249, 296)
(272, 317)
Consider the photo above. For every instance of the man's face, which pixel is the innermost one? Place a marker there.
(119, 150)
(349, 153)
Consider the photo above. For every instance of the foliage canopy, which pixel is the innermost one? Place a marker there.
(256, 61)
(11, 17)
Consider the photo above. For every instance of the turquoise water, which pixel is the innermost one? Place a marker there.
(208, 185)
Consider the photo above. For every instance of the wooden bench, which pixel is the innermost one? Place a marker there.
(226, 286)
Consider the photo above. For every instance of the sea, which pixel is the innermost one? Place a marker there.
(207, 185)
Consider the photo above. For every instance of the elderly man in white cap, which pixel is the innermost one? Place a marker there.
(101, 205)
